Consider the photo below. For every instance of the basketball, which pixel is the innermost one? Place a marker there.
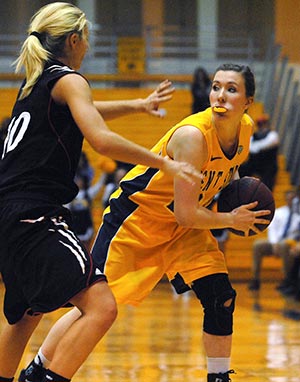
(244, 191)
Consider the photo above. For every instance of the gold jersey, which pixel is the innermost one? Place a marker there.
(140, 240)
(153, 190)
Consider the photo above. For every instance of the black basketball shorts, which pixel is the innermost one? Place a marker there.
(43, 264)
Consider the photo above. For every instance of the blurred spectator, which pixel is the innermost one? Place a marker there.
(113, 181)
(222, 236)
(81, 208)
(3, 131)
(292, 287)
(283, 232)
(200, 90)
(296, 201)
(85, 171)
(262, 160)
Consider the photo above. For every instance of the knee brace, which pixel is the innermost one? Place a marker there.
(179, 285)
(218, 300)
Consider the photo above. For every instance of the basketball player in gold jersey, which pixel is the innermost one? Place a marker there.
(156, 225)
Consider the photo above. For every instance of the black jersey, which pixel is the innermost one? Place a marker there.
(43, 145)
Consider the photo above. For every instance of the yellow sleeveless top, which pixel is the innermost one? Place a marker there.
(152, 190)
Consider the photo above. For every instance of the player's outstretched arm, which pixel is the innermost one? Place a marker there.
(114, 109)
(74, 91)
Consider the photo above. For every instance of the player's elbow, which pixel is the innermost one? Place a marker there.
(102, 144)
(185, 219)
(103, 148)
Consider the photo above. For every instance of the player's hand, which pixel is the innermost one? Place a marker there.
(245, 219)
(182, 170)
(162, 93)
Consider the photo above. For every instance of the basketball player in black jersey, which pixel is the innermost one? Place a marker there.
(43, 264)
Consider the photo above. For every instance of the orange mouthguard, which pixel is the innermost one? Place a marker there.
(220, 109)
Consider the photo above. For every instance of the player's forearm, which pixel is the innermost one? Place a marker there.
(116, 147)
(203, 218)
(115, 109)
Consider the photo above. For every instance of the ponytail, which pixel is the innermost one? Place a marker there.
(32, 57)
(48, 31)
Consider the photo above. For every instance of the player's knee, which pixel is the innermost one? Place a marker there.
(111, 317)
(218, 318)
(109, 309)
(218, 300)
(219, 321)
(103, 316)
(98, 305)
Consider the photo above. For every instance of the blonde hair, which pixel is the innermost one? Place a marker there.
(50, 27)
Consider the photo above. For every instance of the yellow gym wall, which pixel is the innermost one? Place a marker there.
(287, 21)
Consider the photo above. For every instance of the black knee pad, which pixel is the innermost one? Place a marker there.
(179, 285)
(214, 291)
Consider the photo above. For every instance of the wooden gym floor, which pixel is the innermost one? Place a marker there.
(160, 341)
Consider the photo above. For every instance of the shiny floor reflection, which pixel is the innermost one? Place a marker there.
(161, 340)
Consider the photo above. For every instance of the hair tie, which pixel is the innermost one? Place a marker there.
(37, 35)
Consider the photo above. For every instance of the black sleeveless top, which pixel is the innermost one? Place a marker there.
(43, 145)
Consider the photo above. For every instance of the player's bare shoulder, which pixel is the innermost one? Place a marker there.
(69, 86)
(187, 143)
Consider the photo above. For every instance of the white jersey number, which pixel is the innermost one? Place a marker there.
(13, 137)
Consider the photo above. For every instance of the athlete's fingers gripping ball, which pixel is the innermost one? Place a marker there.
(244, 191)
